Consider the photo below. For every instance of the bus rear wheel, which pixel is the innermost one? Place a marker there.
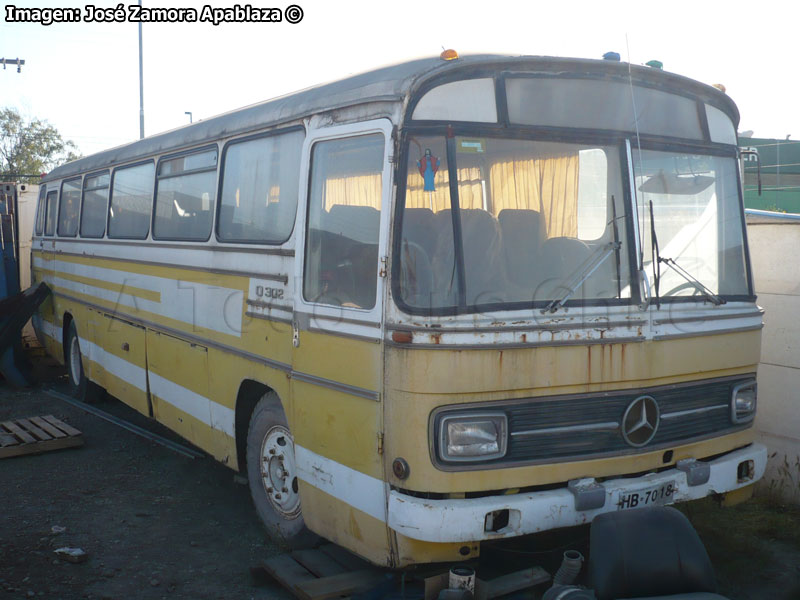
(272, 474)
(79, 384)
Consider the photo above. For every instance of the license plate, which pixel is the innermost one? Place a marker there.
(651, 496)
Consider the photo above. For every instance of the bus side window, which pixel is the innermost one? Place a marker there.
(260, 179)
(185, 197)
(52, 213)
(131, 199)
(40, 210)
(94, 205)
(70, 208)
(344, 206)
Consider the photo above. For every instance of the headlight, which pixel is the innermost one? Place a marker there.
(743, 402)
(477, 436)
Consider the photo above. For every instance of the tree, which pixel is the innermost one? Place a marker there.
(30, 147)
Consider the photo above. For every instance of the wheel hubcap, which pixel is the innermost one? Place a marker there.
(278, 472)
(75, 361)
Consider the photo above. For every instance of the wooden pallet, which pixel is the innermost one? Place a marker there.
(37, 434)
(326, 572)
(333, 572)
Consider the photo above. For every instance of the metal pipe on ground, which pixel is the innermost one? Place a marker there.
(153, 437)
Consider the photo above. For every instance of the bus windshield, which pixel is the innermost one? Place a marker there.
(539, 222)
(697, 221)
(542, 223)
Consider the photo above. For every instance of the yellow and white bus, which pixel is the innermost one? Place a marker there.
(432, 305)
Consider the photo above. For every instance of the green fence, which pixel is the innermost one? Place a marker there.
(780, 175)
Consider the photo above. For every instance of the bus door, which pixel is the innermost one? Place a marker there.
(337, 360)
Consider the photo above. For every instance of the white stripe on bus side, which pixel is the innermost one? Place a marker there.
(49, 330)
(201, 408)
(251, 259)
(119, 367)
(207, 306)
(359, 490)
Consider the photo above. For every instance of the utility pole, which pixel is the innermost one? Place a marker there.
(141, 83)
(13, 61)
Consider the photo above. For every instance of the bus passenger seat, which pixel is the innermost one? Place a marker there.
(523, 232)
(483, 257)
(561, 258)
(416, 248)
(442, 257)
(359, 227)
(419, 228)
(358, 223)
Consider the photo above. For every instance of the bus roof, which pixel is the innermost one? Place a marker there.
(387, 84)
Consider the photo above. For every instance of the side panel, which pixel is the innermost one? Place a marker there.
(178, 374)
(119, 349)
(194, 324)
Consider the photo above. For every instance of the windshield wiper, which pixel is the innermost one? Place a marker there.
(670, 262)
(710, 296)
(581, 274)
(656, 255)
(615, 229)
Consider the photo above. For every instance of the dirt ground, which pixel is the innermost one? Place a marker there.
(158, 525)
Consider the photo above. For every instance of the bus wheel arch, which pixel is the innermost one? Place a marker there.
(271, 472)
(250, 392)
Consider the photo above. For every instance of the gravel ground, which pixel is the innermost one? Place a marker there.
(154, 523)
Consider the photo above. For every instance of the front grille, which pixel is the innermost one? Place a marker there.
(575, 427)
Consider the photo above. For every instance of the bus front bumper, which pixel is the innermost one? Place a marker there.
(477, 519)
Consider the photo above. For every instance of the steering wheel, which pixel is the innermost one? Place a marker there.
(682, 286)
(695, 265)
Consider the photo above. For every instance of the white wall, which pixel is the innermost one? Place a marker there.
(775, 256)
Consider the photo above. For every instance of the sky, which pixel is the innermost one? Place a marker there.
(84, 77)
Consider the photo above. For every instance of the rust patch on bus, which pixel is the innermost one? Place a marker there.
(355, 530)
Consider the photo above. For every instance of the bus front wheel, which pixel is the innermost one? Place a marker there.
(272, 474)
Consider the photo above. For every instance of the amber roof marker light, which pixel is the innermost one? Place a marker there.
(449, 54)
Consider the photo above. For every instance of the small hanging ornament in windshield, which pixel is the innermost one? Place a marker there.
(428, 165)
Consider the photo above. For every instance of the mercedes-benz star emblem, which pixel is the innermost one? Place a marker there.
(640, 422)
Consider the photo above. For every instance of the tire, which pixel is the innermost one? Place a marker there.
(274, 487)
(80, 386)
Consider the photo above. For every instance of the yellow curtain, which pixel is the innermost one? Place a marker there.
(470, 194)
(547, 185)
(359, 190)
